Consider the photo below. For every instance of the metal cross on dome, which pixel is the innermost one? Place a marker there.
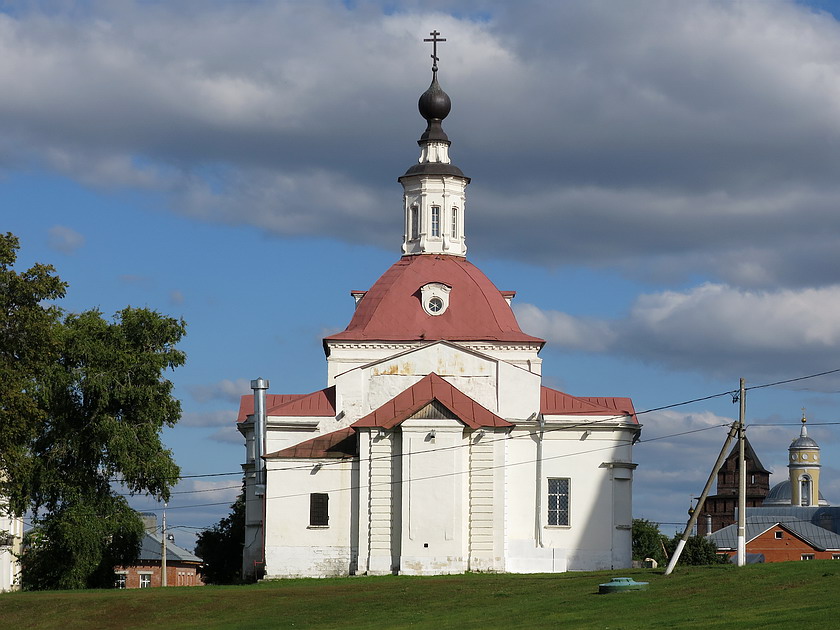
(434, 39)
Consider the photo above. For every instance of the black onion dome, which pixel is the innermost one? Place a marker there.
(434, 106)
(434, 102)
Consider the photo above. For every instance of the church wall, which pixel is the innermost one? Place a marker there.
(518, 392)
(434, 497)
(599, 519)
(293, 546)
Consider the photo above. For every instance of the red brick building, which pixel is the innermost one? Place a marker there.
(780, 541)
(719, 508)
(181, 566)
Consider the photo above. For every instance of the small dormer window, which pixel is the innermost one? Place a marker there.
(435, 298)
(435, 227)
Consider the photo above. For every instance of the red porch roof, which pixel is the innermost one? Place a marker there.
(431, 387)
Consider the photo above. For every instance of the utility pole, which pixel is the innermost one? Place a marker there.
(681, 544)
(742, 479)
(163, 548)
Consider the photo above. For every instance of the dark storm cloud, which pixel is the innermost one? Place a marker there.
(670, 139)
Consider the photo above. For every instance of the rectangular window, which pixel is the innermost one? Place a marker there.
(778, 534)
(835, 556)
(414, 228)
(807, 556)
(558, 502)
(145, 580)
(435, 231)
(119, 580)
(319, 509)
(454, 222)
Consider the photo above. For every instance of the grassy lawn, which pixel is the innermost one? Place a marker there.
(779, 595)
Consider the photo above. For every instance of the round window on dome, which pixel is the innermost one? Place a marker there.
(434, 298)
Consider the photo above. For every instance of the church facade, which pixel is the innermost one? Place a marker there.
(434, 447)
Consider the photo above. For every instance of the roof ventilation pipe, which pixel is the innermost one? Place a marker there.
(259, 385)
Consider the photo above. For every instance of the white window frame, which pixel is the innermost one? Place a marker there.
(808, 556)
(559, 489)
(146, 577)
(454, 222)
(434, 228)
(121, 580)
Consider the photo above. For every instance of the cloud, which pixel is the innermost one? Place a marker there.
(226, 390)
(713, 328)
(228, 435)
(678, 450)
(176, 297)
(64, 239)
(668, 139)
(216, 418)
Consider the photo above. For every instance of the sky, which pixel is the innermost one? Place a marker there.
(657, 179)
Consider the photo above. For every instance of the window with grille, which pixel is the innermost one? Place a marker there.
(435, 221)
(558, 502)
(454, 222)
(319, 509)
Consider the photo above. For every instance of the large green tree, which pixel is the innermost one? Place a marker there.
(220, 547)
(94, 401)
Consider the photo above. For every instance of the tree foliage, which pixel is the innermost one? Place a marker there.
(220, 547)
(96, 402)
(28, 346)
(648, 542)
(698, 551)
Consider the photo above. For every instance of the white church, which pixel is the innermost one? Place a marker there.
(434, 447)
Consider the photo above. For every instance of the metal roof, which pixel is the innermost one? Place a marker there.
(391, 310)
(150, 549)
(430, 388)
(819, 538)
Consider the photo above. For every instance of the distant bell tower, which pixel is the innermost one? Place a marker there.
(434, 188)
(804, 469)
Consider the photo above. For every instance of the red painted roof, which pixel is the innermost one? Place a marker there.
(335, 445)
(391, 309)
(554, 402)
(320, 403)
(431, 387)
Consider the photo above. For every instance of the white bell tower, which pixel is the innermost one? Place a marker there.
(434, 189)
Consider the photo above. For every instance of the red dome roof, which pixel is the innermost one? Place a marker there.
(391, 310)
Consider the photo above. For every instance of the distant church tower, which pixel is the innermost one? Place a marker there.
(804, 469)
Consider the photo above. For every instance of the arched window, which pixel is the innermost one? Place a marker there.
(805, 490)
(454, 222)
(414, 220)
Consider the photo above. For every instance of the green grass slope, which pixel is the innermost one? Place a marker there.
(781, 595)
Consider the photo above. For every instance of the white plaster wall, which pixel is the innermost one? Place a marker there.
(518, 392)
(364, 389)
(9, 565)
(588, 542)
(434, 492)
(293, 548)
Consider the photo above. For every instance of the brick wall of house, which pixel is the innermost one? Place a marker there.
(786, 548)
(177, 574)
